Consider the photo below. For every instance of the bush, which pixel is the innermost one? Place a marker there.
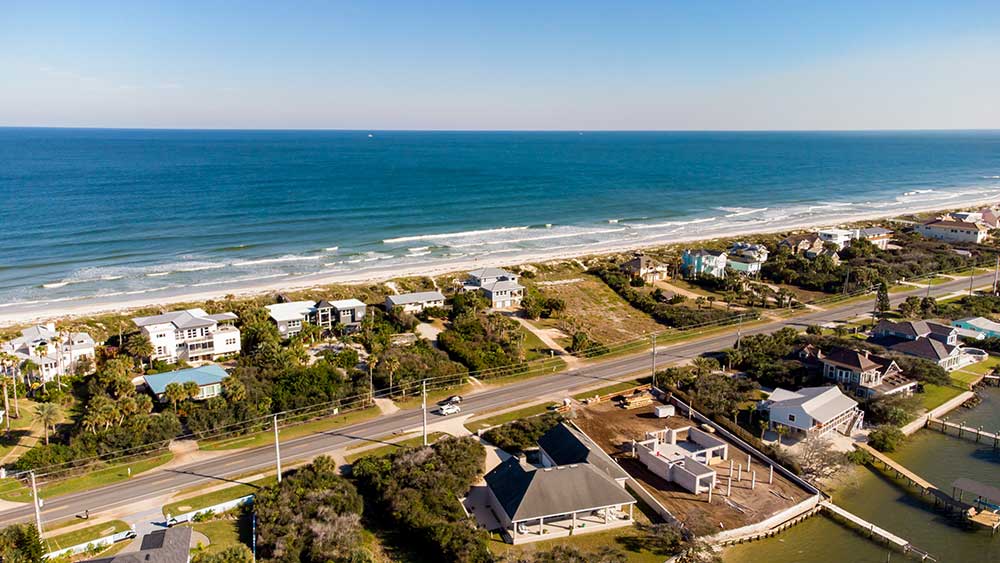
(886, 438)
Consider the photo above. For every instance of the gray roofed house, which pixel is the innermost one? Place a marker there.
(878, 236)
(866, 374)
(922, 339)
(39, 344)
(500, 287)
(190, 335)
(172, 545)
(644, 267)
(565, 445)
(415, 302)
(813, 410)
(534, 504)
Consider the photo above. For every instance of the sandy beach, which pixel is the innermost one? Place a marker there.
(18, 314)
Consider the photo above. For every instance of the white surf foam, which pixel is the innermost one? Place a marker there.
(437, 236)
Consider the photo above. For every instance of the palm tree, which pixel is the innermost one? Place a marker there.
(175, 393)
(762, 424)
(29, 367)
(373, 361)
(6, 403)
(234, 390)
(48, 414)
(139, 347)
(781, 430)
(391, 365)
(9, 364)
(191, 389)
(56, 341)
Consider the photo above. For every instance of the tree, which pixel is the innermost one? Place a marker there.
(762, 424)
(6, 403)
(882, 303)
(928, 307)
(391, 364)
(139, 347)
(910, 308)
(780, 430)
(814, 330)
(234, 390)
(175, 393)
(21, 543)
(191, 389)
(886, 438)
(704, 366)
(818, 459)
(48, 414)
(236, 554)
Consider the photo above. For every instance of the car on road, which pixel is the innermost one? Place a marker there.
(453, 400)
(449, 408)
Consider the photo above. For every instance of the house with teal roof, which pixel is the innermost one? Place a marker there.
(209, 380)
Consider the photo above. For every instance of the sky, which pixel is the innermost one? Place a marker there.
(511, 65)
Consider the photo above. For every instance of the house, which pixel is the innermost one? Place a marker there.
(645, 268)
(499, 286)
(54, 352)
(701, 262)
(564, 444)
(813, 411)
(747, 258)
(952, 230)
(190, 335)
(840, 237)
(865, 374)
(414, 302)
(209, 379)
(683, 456)
(172, 545)
(983, 326)
(802, 243)
(290, 316)
(538, 504)
(921, 339)
(878, 236)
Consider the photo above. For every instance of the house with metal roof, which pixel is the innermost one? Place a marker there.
(878, 236)
(290, 316)
(209, 379)
(533, 504)
(813, 411)
(190, 335)
(499, 286)
(55, 353)
(980, 326)
(414, 302)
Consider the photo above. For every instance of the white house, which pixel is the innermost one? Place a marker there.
(813, 411)
(840, 237)
(683, 456)
(54, 352)
(290, 316)
(499, 286)
(878, 236)
(952, 230)
(414, 302)
(747, 258)
(190, 335)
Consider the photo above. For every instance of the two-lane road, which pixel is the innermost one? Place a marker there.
(159, 483)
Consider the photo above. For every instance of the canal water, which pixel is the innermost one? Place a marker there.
(938, 458)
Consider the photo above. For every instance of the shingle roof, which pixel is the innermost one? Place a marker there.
(946, 224)
(419, 297)
(566, 445)
(205, 375)
(924, 348)
(821, 403)
(172, 545)
(853, 359)
(529, 494)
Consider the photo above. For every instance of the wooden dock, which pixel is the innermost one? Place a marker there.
(923, 485)
(960, 430)
(876, 532)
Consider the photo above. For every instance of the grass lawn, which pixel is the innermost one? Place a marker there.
(534, 348)
(617, 387)
(84, 535)
(936, 395)
(627, 540)
(224, 532)
(389, 448)
(433, 396)
(964, 379)
(16, 492)
(495, 420)
(267, 437)
(213, 498)
(982, 368)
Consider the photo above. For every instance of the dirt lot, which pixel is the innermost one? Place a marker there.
(613, 428)
(593, 306)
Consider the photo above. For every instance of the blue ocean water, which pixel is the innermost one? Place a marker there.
(100, 213)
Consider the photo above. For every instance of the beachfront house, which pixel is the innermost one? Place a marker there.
(813, 411)
(290, 316)
(683, 456)
(702, 262)
(499, 286)
(746, 258)
(922, 339)
(866, 375)
(414, 302)
(54, 352)
(802, 243)
(645, 268)
(840, 237)
(982, 326)
(190, 335)
(950, 229)
(878, 236)
(209, 379)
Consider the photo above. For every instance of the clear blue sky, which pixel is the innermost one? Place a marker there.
(501, 65)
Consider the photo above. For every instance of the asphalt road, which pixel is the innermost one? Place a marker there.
(207, 473)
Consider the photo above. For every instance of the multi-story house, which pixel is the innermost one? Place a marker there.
(950, 229)
(878, 236)
(55, 353)
(645, 268)
(190, 335)
(289, 317)
(865, 374)
(813, 411)
(499, 286)
(747, 258)
(922, 339)
(701, 262)
(840, 237)
(414, 302)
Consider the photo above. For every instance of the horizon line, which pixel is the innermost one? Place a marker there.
(434, 130)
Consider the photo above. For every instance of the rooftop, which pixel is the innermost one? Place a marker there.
(823, 404)
(419, 297)
(566, 445)
(172, 545)
(490, 273)
(191, 318)
(204, 375)
(295, 310)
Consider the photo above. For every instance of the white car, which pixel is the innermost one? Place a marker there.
(450, 408)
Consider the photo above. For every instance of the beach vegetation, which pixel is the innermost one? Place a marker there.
(483, 341)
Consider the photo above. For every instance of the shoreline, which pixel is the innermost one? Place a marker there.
(17, 314)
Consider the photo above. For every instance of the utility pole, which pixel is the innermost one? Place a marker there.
(972, 279)
(739, 330)
(277, 447)
(996, 276)
(36, 500)
(424, 408)
(653, 386)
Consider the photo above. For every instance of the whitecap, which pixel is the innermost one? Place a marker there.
(451, 235)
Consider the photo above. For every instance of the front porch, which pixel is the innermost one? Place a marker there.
(563, 525)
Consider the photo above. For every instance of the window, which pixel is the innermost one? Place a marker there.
(791, 418)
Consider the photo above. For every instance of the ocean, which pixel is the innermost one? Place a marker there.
(91, 214)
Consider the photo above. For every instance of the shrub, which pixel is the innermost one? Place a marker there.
(523, 434)
(886, 438)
